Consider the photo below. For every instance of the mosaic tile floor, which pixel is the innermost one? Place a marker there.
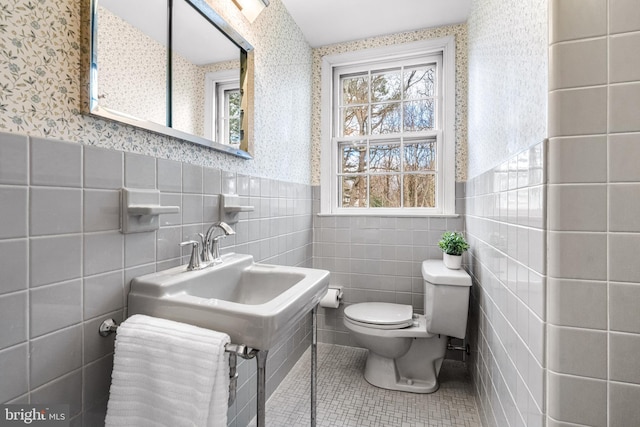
(345, 399)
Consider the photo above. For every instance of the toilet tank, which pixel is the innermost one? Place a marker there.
(446, 298)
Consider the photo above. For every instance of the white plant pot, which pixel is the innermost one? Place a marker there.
(452, 261)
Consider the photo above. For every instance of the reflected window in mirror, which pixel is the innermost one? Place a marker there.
(223, 107)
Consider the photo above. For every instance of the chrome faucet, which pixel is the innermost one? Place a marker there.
(211, 243)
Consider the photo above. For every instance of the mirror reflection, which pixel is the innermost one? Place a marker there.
(132, 76)
(173, 67)
(191, 65)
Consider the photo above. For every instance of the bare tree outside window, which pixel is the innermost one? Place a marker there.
(385, 163)
(232, 102)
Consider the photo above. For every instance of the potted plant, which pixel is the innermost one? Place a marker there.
(453, 245)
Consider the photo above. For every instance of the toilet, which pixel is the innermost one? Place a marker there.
(406, 349)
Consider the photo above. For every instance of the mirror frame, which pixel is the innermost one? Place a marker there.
(91, 106)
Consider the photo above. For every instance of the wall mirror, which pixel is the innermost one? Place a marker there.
(173, 67)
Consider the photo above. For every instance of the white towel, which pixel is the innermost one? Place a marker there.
(167, 373)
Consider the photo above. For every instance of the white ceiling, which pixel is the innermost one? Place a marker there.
(326, 22)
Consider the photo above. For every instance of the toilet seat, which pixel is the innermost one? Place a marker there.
(380, 315)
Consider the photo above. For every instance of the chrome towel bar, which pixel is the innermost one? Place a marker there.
(110, 326)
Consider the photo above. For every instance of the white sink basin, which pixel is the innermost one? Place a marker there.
(254, 303)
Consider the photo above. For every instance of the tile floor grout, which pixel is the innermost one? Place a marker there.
(345, 399)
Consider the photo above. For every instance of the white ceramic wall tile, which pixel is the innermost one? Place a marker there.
(54, 355)
(54, 307)
(577, 19)
(13, 314)
(102, 294)
(139, 171)
(254, 186)
(624, 366)
(624, 104)
(168, 240)
(538, 294)
(14, 265)
(623, 152)
(622, 257)
(55, 163)
(578, 303)
(55, 211)
(565, 344)
(97, 377)
(624, 408)
(536, 250)
(577, 207)
(101, 210)
(537, 207)
(624, 57)
(212, 181)
(580, 63)
(66, 390)
(169, 175)
(589, 159)
(192, 179)
(584, 255)
(103, 168)
(577, 400)
(624, 204)
(623, 298)
(228, 183)
(139, 248)
(54, 259)
(242, 182)
(192, 208)
(103, 252)
(13, 211)
(578, 112)
(14, 159)
(624, 16)
(171, 199)
(13, 362)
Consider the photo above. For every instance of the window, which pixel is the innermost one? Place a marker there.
(388, 139)
(222, 107)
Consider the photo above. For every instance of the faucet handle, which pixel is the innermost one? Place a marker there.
(194, 261)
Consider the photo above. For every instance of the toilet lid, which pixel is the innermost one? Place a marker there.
(381, 313)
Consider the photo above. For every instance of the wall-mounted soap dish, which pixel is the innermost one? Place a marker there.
(139, 210)
(230, 207)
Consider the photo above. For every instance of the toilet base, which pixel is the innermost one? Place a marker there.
(415, 372)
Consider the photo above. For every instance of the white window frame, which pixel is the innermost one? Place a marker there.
(215, 84)
(445, 201)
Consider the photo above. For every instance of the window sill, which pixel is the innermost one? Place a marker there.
(394, 214)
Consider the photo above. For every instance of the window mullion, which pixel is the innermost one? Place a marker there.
(402, 171)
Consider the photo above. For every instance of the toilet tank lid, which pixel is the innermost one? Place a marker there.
(380, 313)
(435, 272)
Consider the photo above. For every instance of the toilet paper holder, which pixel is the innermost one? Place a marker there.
(332, 298)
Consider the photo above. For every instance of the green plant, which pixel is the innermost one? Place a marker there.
(453, 243)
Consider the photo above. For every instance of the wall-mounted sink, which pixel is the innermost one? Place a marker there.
(254, 303)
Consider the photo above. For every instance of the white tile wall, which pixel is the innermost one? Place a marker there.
(505, 225)
(65, 266)
(593, 218)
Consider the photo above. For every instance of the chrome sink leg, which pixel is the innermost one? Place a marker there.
(314, 363)
(261, 360)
